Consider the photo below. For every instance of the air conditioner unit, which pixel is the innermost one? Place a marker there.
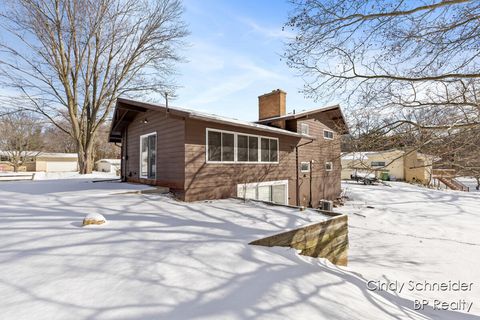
(326, 205)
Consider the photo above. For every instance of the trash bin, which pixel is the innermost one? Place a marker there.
(384, 176)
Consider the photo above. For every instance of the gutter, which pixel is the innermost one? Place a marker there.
(252, 126)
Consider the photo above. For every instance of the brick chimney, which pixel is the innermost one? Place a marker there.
(272, 104)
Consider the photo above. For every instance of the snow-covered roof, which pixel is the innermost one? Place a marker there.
(57, 155)
(355, 155)
(112, 161)
(40, 154)
(334, 108)
(194, 114)
(363, 155)
(300, 114)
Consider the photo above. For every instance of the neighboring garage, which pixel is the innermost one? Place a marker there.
(41, 162)
(56, 162)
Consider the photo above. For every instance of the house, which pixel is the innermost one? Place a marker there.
(108, 165)
(42, 161)
(284, 158)
(410, 166)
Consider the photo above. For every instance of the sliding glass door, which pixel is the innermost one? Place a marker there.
(148, 156)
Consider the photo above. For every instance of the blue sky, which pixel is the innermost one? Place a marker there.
(234, 56)
(234, 51)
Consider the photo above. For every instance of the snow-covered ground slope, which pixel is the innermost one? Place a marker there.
(469, 182)
(411, 233)
(157, 258)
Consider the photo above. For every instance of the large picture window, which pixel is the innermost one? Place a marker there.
(228, 146)
(225, 146)
(253, 149)
(148, 156)
(242, 148)
(269, 150)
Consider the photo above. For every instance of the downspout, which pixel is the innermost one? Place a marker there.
(297, 185)
(310, 196)
(125, 156)
(297, 200)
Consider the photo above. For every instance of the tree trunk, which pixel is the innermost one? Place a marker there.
(85, 163)
(85, 158)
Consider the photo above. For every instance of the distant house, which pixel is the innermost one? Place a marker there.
(395, 164)
(42, 161)
(284, 158)
(108, 165)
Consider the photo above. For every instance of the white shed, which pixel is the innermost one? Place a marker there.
(108, 165)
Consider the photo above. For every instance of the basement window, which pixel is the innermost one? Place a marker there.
(271, 191)
(328, 166)
(305, 167)
(328, 135)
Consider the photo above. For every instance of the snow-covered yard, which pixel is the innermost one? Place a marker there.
(157, 258)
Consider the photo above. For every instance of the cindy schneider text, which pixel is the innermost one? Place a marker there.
(427, 286)
(419, 286)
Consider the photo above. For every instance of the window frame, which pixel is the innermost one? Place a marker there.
(330, 131)
(235, 147)
(140, 157)
(304, 125)
(305, 171)
(331, 166)
(378, 165)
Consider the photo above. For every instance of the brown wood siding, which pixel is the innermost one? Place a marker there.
(325, 184)
(170, 148)
(181, 159)
(213, 181)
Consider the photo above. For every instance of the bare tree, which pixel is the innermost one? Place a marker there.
(56, 140)
(407, 70)
(20, 137)
(400, 59)
(75, 57)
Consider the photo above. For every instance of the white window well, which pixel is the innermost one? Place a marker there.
(270, 191)
(328, 166)
(234, 147)
(327, 134)
(305, 166)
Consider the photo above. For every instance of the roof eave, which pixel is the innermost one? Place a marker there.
(263, 128)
